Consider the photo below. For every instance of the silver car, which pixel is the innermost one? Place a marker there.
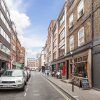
(13, 79)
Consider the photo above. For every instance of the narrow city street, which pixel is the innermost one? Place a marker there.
(38, 88)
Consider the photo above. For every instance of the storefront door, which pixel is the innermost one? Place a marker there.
(67, 71)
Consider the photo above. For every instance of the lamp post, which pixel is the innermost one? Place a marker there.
(72, 72)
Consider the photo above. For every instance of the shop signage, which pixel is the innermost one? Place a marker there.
(85, 83)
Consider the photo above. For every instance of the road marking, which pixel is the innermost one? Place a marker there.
(36, 94)
(66, 98)
(35, 91)
(75, 96)
(25, 94)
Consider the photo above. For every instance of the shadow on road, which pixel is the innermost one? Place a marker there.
(10, 91)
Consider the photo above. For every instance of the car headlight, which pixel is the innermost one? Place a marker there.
(19, 81)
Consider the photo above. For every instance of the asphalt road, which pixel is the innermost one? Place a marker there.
(38, 88)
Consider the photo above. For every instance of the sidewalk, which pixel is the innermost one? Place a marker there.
(79, 93)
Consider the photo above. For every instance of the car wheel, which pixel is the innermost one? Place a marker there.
(25, 83)
(23, 88)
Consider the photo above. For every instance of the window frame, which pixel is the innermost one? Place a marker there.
(71, 39)
(71, 20)
(81, 31)
(80, 9)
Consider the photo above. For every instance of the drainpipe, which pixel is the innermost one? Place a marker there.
(92, 30)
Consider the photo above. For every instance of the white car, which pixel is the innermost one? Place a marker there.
(13, 79)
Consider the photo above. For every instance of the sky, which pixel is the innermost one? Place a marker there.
(32, 18)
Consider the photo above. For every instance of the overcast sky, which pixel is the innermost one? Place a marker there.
(32, 18)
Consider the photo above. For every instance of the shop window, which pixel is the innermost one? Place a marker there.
(80, 70)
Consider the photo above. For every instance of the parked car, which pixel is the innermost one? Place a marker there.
(26, 75)
(29, 73)
(13, 79)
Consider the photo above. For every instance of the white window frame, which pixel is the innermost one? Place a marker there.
(81, 36)
(71, 41)
(71, 19)
(62, 34)
(62, 19)
(3, 5)
(80, 9)
(5, 35)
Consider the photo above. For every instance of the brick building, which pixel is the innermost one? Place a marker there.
(32, 63)
(22, 55)
(79, 38)
(50, 43)
(13, 45)
(74, 41)
(18, 50)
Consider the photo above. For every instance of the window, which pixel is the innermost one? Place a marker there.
(62, 19)
(62, 43)
(54, 55)
(81, 36)
(3, 5)
(62, 51)
(4, 49)
(4, 21)
(2, 32)
(54, 44)
(62, 34)
(8, 15)
(80, 8)
(14, 48)
(71, 41)
(71, 20)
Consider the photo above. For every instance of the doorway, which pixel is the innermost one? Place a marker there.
(67, 71)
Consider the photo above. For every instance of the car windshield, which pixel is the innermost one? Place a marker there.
(17, 73)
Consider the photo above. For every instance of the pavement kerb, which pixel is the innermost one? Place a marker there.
(69, 95)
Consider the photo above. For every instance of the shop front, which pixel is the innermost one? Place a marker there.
(4, 65)
(53, 69)
(79, 67)
(59, 67)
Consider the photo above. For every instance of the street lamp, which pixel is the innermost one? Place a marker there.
(72, 72)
